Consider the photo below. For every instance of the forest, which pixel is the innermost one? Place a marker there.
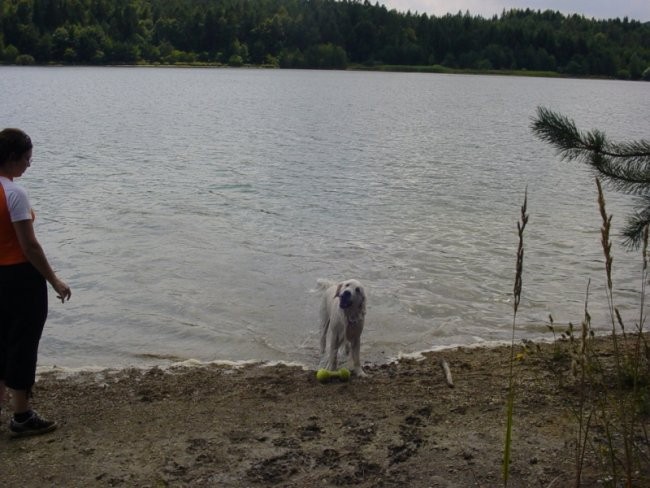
(319, 34)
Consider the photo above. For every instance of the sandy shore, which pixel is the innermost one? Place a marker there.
(401, 426)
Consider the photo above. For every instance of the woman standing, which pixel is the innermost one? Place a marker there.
(24, 270)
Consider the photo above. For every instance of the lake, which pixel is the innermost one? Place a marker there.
(192, 210)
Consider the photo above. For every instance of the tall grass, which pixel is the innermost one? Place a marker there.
(612, 388)
(517, 298)
(620, 412)
(580, 368)
(612, 405)
(614, 401)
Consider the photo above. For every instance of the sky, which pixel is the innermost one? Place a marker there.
(599, 9)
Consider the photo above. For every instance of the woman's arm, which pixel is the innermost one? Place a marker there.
(34, 253)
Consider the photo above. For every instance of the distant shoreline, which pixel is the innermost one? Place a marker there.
(387, 68)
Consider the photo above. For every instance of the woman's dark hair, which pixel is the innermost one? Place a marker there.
(13, 144)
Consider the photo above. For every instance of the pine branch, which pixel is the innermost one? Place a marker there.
(561, 132)
(636, 223)
(624, 166)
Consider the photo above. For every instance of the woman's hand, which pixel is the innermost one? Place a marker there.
(63, 291)
(34, 253)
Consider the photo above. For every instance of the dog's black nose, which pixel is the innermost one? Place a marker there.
(345, 299)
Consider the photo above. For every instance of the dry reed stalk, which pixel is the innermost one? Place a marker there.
(644, 279)
(580, 367)
(517, 298)
(609, 259)
(626, 411)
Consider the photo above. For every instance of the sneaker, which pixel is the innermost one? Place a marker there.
(34, 425)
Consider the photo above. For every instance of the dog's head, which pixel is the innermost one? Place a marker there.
(351, 294)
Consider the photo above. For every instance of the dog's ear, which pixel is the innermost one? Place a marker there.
(338, 290)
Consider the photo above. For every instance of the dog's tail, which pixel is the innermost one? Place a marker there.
(322, 284)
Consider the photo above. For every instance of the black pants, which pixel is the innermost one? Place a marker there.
(23, 311)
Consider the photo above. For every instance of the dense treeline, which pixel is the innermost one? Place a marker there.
(316, 34)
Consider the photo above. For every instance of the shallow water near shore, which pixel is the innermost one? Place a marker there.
(193, 210)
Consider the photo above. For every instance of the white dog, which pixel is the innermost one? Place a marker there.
(342, 314)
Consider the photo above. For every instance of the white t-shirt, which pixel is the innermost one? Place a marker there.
(17, 200)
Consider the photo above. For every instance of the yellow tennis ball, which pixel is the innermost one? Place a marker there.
(322, 375)
(344, 374)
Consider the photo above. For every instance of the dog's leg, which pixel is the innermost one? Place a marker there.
(324, 326)
(332, 360)
(335, 342)
(324, 332)
(355, 346)
(346, 351)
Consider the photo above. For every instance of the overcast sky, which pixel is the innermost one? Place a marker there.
(600, 9)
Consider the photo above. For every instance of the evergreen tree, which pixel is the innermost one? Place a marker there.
(624, 165)
(308, 33)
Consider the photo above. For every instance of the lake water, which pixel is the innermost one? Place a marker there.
(193, 210)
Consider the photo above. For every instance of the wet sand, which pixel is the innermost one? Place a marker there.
(256, 425)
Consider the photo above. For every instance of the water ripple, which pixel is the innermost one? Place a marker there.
(193, 210)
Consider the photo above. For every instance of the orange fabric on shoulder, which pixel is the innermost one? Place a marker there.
(10, 250)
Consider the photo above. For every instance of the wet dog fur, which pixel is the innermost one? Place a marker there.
(342, 317)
